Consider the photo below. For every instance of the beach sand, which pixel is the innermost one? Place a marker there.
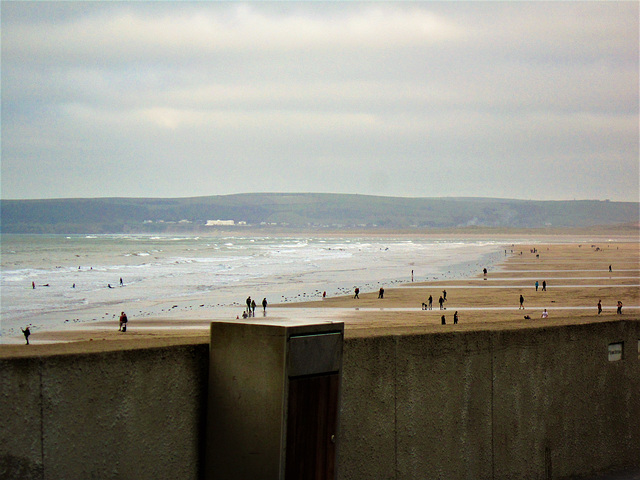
(577, 276)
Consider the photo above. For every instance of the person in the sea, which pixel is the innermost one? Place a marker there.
(599, 307)
(264, 305)
(123, 322)
(26, 332)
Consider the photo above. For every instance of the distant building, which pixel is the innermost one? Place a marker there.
(215, 223)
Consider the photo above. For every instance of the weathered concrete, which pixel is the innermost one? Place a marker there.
(125, 414)
(527, 403)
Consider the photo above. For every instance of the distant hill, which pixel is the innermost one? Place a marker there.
(302, 210)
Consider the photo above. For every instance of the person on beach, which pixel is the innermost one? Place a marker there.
(430, 302)
(264, 305)
(248, 302)
(443, 320)
(324, 294)
(253, 308)
(412, 275)
(536, 285)
(544, 285)
(381, 293)
(484, 270)
(121, 282)
(123, 322)
(544, 314)
(609, 267)
(444, 295)
(441, 302)
(455, 318)
(599, 307)
(619, 311)
(521, 303)
(33, 285)
(357, 292)
(26, 332)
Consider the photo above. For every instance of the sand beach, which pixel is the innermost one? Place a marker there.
(577, 276)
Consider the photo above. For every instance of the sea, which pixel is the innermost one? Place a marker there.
(54, 282)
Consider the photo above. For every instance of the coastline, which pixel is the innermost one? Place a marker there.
(569, 299)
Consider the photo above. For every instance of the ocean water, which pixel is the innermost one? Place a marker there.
(77, 277)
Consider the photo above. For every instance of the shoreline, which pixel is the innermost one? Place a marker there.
(478, 309)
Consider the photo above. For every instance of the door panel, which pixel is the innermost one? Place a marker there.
(311, 427)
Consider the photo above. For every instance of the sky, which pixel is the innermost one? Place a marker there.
(524, 100)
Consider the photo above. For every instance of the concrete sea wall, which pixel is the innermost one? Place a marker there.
(528, 404)
(129, 414)
(536, 403)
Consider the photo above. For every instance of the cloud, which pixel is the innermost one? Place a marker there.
(480, 89)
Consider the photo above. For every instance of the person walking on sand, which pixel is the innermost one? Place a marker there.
(357, 292)
(123, 322)
(455, 318)
(381, 293)
(609, 267)
(26, 332)
(430, 302)
(536, 285)
(521, 303)
(441, 302)
(248, 302)
(253, 308)
(544, 285)
(619, 311)
(599, 307)
(264, 305)
(444, 295)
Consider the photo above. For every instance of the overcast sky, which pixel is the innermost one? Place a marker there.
(425, 99)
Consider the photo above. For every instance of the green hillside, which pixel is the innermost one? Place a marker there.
(321, 211)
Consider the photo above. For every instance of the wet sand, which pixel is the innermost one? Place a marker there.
(577, 276)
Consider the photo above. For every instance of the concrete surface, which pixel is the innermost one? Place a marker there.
(538, 402)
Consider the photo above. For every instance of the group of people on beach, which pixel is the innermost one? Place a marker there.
(544, 285)
(250, 311)
(443, 320)
(429, 303)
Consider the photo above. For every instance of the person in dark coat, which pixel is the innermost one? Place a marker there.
(26, 332)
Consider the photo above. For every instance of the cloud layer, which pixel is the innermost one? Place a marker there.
(154, 99)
